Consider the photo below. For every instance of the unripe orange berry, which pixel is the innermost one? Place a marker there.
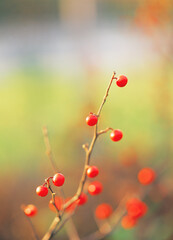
(128, 222)
(146, 176)
(103, 211)
(58, 203)
(136, 208)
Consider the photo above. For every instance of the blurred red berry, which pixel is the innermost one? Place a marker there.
(136, 208)
(103, 211)
(71, 207)
(121, 81)
(128, 222)
(116, 135)
(92, 171)
(58, 179)
(58, 203)
(92, 119)
(82, 199)
(95, 188)
(30, 210)
(146, 176)
(41, 191)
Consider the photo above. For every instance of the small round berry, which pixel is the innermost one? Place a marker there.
(146, 176)
(58, 203)
(30, 210)
(103, 211)
(58, 179)
(128, 222)
(136, 208)
(116, 135)
(121, 81)
(82, 199)
(41, 191)
(95, 188)
(92, 119)
(92, 171)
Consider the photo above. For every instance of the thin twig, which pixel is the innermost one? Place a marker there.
(58, 218)
(48, 149)
(34, 233)
(89, 150)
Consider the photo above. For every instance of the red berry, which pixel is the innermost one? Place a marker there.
(41, 191)
(121, 81)
(116, 135)
(82, 199)
(92, 119)
(58, 179)
(58, 203)
(146, 176)
(103, 211)
(128, 222)
(136, 208)
(92, 171)
(30, 210)
(95, 188)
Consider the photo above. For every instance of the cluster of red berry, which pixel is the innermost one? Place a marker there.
(58, 180)
(135, 207)
(135, 210)
(103, 210)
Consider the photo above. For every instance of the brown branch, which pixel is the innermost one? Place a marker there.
(51, 232)
(89, 150)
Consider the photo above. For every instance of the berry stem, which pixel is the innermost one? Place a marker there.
(104, 131)
(53, 197)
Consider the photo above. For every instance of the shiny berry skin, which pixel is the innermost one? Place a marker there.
(121, 81)
(95, 188)
(92, 171)
(92, 119)
(58, 202)
(30, 210)
(128, 222)
(103, 211)
(58, 179)
(41, 191)
(116, 135)
(82, 199)
(136, 208)
(146, 176)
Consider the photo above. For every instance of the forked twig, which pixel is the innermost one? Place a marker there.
(56, 225)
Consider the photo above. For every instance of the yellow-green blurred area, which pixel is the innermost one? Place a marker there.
(56, 61)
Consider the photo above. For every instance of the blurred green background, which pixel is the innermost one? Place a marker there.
(56, 60)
